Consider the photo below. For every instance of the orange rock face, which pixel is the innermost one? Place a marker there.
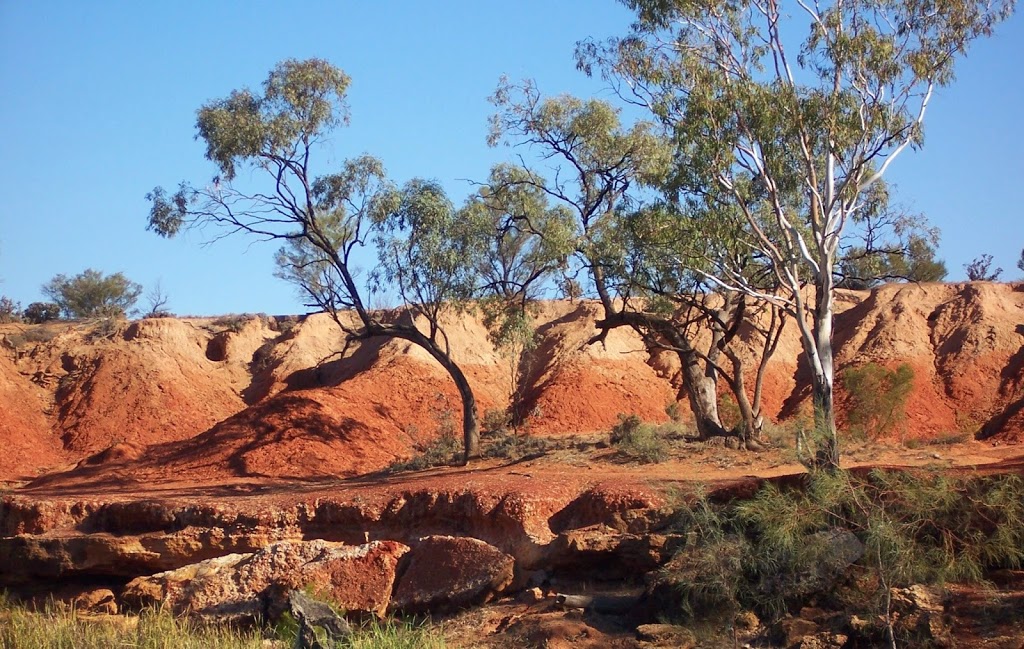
(212, 401)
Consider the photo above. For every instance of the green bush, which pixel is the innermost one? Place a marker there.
(496, 421)
(638, 441)
(40, 312)
(877, 399)
(761, 554)
(91, 294)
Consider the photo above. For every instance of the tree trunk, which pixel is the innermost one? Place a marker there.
(749, 425)
(700, 389)
(470, 423)
(824, 378)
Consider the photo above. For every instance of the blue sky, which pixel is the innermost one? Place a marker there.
(99, 103)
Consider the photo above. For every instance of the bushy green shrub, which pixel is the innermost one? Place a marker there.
(915, 527)
(638, 441)
(91, 294)
(877, 398)
(496, 421)
(40, 312)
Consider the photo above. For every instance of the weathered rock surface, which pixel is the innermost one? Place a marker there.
(445, 572)
(665, 635)
(357, 578)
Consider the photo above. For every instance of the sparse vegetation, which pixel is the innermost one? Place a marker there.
(516, 446)
(980, 269)
(9, 310)
(441, 451)
(639, 441)
(877, 399)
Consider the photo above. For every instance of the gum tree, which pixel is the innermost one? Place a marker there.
(630, 253)
(795, 112)
(324, 221)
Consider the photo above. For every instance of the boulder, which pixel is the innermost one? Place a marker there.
(445, 572)
(665, 635)
(358, 579)
(919, 612)
(320, 626)
(99, 601)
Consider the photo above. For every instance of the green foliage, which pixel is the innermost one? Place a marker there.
(915, 262)
(772, 551)
(638, 441)
(496, 421)
(877, 398)
(392, 634)
(9, 310)
(980, 270)
(40, 312)
(1020, 262)
(91, 294)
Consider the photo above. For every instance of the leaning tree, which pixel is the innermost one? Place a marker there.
(325, 221)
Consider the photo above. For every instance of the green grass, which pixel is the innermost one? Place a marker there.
(57, 627)
(61, 627)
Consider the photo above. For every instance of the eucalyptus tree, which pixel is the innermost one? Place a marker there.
(795, 112)
(91, 294)
(599, 168)
(526, 241)
(325, 221)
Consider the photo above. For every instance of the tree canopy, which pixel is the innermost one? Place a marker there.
(91, 294)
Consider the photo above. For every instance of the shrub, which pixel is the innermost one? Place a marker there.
(638, 441)
(512, 446)
(496, 421)
(91, 294)
(764, 554)
(9, 310)
(674, 412)
(40, 312)
(441, 451)
(877, 398)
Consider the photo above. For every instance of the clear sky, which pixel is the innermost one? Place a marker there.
(99, 98)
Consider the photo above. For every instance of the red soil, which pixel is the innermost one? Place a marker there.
(167, 399)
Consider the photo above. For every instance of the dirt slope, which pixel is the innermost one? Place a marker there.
(269, 397)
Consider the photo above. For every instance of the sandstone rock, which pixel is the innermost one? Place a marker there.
(666, 635)
(617, 554)
(358, 579)
(793, 630)
(823, 640)
(920, 614)
(450, 572)
(101, 601)
(747, 621)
